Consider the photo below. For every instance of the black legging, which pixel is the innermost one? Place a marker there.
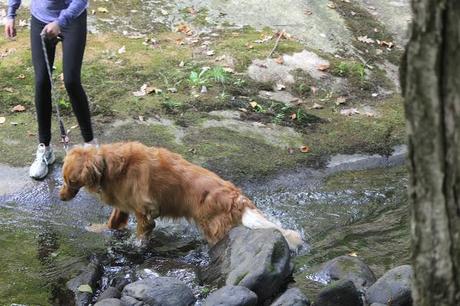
(73, 47)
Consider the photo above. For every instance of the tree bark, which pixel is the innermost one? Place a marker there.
(431, 81)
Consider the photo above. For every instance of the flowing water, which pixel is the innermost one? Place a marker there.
(339, 210)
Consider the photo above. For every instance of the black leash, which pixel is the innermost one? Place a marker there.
(64, 135)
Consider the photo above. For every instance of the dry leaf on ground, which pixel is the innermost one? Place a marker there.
(304, 149)
(349, 111)
(122, 50)
(317, 106)
(323, 67)
(332, 5)
(366, 39)
(102, 9)
(293, 116)
(2, 120)
(21, 77)
(279, 60)
(340, 100)
(18, 108)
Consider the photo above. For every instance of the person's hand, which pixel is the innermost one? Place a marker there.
(52, 30)
(10, 28)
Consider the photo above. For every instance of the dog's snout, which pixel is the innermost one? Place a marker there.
(67, 193)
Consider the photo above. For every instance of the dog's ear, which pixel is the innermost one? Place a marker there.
(92, 170)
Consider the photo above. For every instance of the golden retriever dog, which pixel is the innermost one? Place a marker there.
(154, 182)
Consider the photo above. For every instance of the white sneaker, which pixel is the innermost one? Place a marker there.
(92, 143)
(43, 158)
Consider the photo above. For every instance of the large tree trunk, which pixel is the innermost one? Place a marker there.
(431, 82)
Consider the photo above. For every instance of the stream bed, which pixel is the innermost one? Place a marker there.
(356, 205)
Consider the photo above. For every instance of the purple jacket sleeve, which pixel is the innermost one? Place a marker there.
(13, 5)
(74, 10)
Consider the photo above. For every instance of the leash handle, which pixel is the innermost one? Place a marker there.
(65, 139)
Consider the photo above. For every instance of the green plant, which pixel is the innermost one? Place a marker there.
(198, 78)
(171, 105)
(218, 74)
(64, 104)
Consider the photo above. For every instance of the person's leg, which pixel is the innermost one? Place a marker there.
(44, 155)
(73, 46)
(42, 81)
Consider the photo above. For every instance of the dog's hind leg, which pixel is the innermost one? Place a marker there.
(118, 219)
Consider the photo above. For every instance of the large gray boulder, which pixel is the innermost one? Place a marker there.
(89, 276)
(292, 297)
(232, 296)
(256, 259)
(339, 293)
(160, 291)
(346, 267)
(394, 286)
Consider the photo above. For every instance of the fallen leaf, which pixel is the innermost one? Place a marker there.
(23, 23)
(340, 100)
(181, 64)
(366, 39)
(184, 28)
(2, 120)
(243, 110)
(280, 87)
(191, 10)
(192, 150)
(93, 12)
(31, 134)
(349, 111)
(8, 89)
(150, 89)
(204, 89)
(317, 106)
(279, 60)
(210, 53)
(332, 5)
(172, 89)
(180, 42)
(314, 90)
(386, 44)
(18, 108)
(353, 254)
(253, 104)
(141, 118)
(307, 12)
(293, 116)
(290, 150)
(141, 92)
(249, 46)
(164, 12)
(323, 67)
(304, 149)
(122, 50)
(85, 288)
(21, 77)
(229, 70)
(102, 9)
(13, 123)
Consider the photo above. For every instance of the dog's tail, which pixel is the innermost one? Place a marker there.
(254, 219)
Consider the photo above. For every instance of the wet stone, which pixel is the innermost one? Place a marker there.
(291, 297)
(89, 276)
(232, 296)
(110, 302)
(256, 259)
(165, 291)
(394, 286)
(109, 293)
(346, 267)
(339, 293)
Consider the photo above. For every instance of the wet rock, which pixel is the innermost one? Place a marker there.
(394, 286)
(378, 304)
(232, 296)
(256, 259)
(291, 297)
(110, 302)
(346, 267)
(130, 301)
(90, 275)
(119, 282)
(339, 293)
(163, 291)
(109, 293)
